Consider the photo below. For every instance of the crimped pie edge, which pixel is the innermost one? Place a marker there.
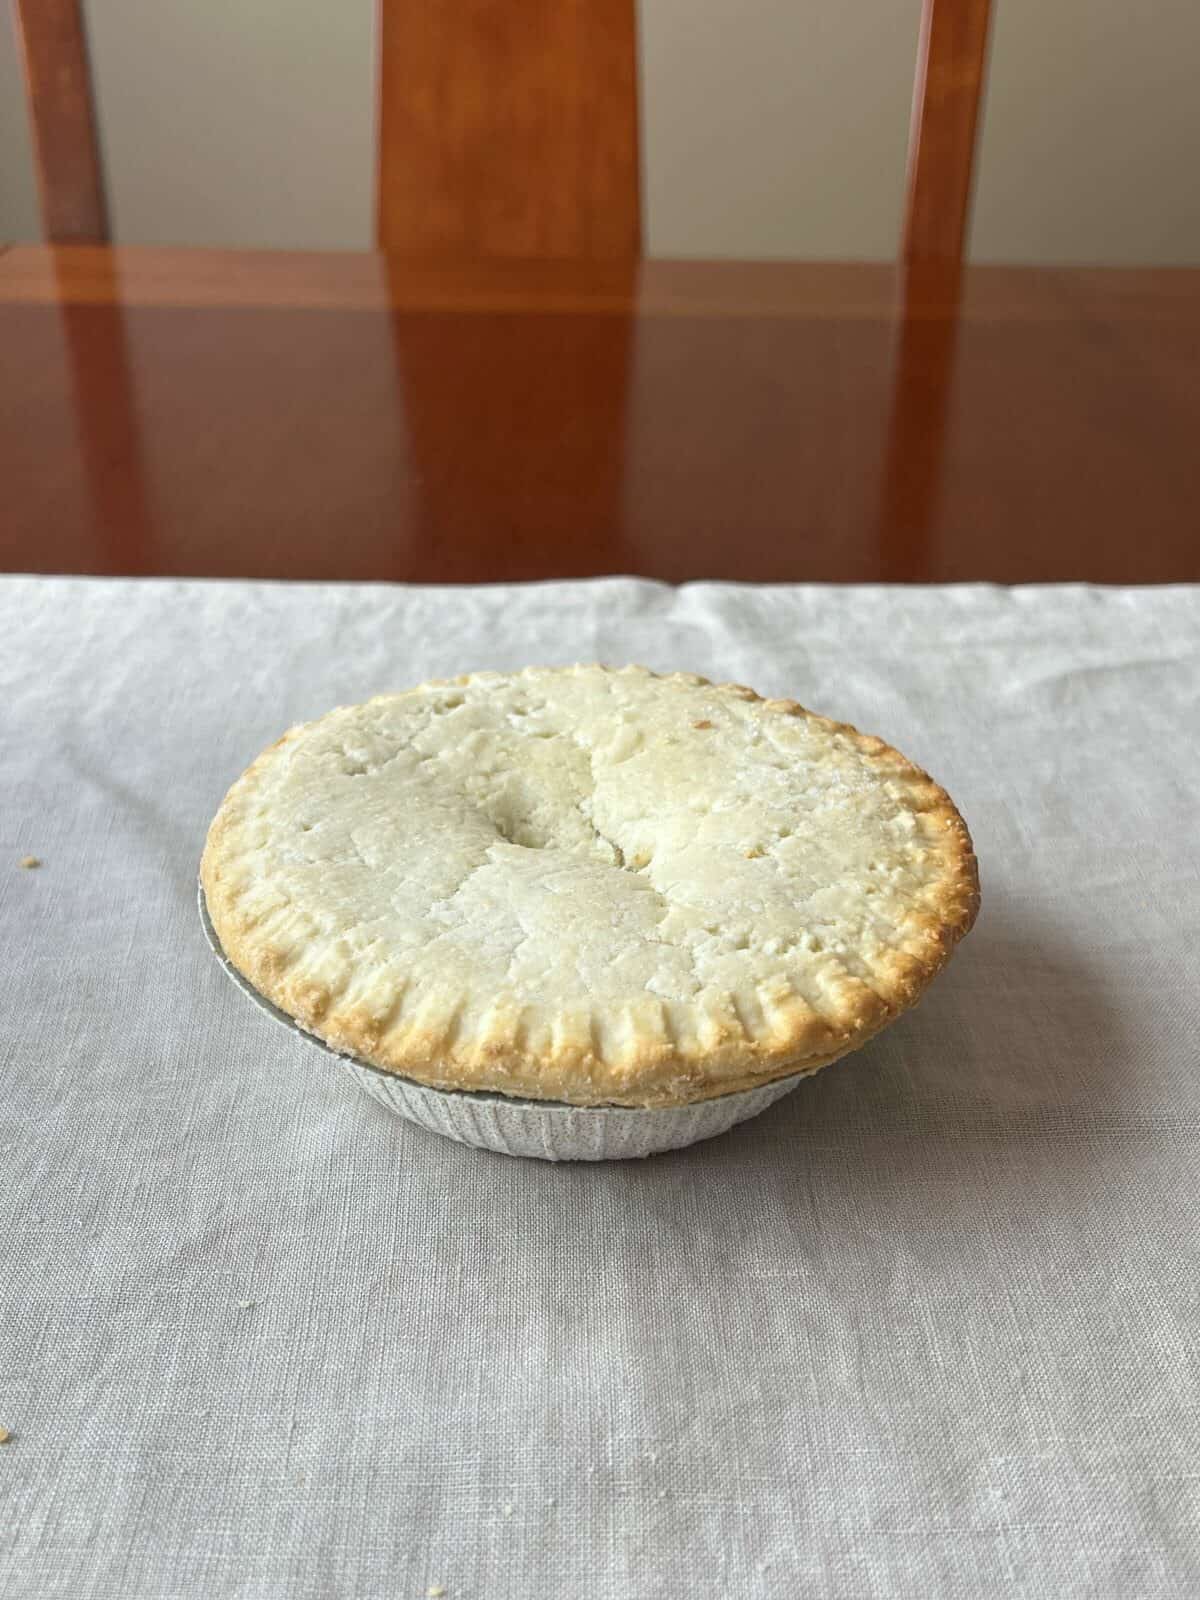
(651, 1071)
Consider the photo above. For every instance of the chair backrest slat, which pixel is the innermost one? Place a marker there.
(63, 120)
(941, 142)
(509, 130)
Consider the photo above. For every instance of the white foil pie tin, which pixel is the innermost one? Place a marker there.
(547, 1129)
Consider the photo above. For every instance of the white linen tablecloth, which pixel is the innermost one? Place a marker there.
(928, 1328)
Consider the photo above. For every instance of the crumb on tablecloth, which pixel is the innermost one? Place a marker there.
(30, 861)
(5, 1436)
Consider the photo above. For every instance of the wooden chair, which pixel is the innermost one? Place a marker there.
(511, 130)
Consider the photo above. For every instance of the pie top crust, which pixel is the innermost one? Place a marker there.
(588, 885)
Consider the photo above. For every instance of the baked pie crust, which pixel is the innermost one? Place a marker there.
(588, 885)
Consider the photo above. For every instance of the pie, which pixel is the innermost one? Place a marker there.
(603, 887)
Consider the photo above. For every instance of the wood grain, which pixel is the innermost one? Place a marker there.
(951, 56)
(508, 130)
(306, 420)
(62, 115)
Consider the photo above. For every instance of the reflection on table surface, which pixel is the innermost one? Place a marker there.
(347, 416)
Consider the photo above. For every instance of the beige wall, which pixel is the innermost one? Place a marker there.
(18, 199)
(772, 128)
(1091, 139)
(239, 122)
(769, 129)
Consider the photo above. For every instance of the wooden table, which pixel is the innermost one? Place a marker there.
(344, 416)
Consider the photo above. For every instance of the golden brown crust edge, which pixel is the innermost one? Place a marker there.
(654, 1071)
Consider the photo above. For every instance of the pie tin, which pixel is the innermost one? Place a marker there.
(546, 1129)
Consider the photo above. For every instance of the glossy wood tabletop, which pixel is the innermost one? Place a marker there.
(347, 416)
